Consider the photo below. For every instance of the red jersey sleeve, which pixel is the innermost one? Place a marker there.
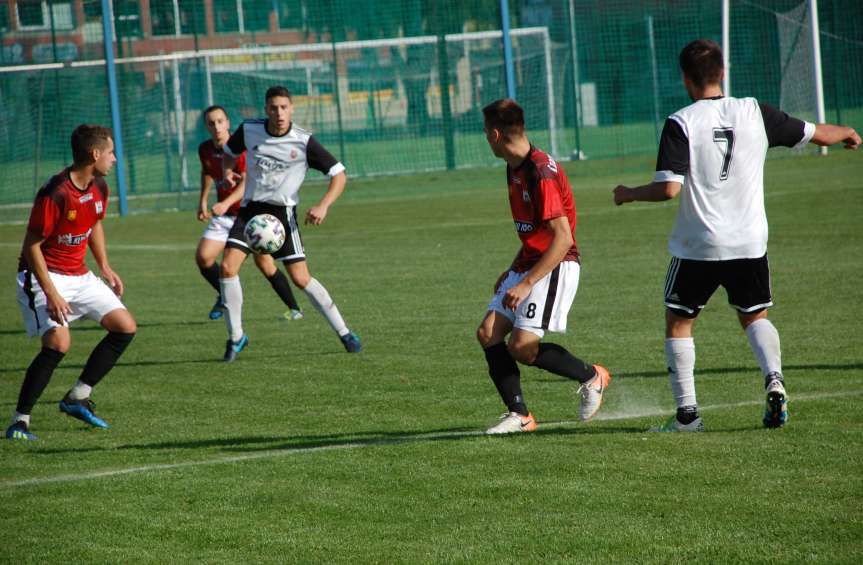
(202, 156)
(550, 198)
(241, 164)
(44, 216)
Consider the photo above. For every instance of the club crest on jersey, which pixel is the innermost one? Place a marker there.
(293, 153)
(71, 215)
(523, 227)
(69, 239)
(98, 206)
(86, 198)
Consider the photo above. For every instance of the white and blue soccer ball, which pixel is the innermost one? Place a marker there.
(265, 234)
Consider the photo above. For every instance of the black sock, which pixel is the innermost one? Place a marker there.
(687, 414)
(38, 374)
(504, 372)
(104, 357)
(212, 274)
(280, 284)
(555, 359)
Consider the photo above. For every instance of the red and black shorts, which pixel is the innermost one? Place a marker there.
(689, 284)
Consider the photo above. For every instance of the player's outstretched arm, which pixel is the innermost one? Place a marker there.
(100, 254)
(829, 134)
(229, 162)
(653, 192)
(317, 213)
(57, 306)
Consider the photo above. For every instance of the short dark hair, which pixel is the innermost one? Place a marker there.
(213, 108)
(506, 115)
(274, 91)
(86, 138)
(701, 61)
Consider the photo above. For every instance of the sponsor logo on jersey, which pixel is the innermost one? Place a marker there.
(69, 239)
(516, 180)
(71, 215)
(99, 207)
(525, 195)
(523, 227)
(86, 198)
(271, 164)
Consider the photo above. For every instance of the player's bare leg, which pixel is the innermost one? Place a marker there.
(680, 359)
(206, 256)
(764, 341)
(504, 373)
(121, 328)
(323, 303)
(232, 295)
(526, 347)
(267, 265)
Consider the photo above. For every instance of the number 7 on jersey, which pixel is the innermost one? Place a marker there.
(726, 136)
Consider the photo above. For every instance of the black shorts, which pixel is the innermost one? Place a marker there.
(292, 250)
(689, 284)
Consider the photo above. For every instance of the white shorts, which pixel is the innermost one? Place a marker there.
(549, 301)
(86, 294)
(219, 228)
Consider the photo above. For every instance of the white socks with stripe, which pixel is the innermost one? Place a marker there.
(232, 296)
(324, 304)
(680, 356)
(80, 391)
(764, 341)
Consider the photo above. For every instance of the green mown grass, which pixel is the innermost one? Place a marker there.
(299, 452)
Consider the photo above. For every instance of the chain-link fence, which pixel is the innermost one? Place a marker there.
(391, 86)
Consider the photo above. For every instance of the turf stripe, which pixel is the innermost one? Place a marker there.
(408, 438)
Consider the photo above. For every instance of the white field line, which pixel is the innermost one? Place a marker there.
(411, 438)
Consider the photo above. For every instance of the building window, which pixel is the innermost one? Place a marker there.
(178, 17)
(35, 15)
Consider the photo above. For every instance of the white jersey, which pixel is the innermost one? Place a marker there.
(276, 165)
(716, 148)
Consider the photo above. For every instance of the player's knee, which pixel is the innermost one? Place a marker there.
(484, 336)
(300, 279)
(227, 270)
(58, 341)
(524, 353)
(203, 262)
(747, 319)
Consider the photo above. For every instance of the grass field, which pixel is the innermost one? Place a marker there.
(300, 453)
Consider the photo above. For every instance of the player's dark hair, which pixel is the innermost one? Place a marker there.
(506, 115)
(274, 91)
(213, 108)
(85, 139)
(701, 61)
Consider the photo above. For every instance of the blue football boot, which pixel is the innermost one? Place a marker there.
(351, 341)
(20, 431)
(82, 410)
(232, 349)
(218, 309)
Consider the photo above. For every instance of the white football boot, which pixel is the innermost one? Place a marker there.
(591, 393)
(513, 422)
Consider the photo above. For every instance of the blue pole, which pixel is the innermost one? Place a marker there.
(507, 49)
(108, 38)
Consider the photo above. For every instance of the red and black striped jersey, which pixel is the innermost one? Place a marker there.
(211, 165)
(539, 191)
(64, 215)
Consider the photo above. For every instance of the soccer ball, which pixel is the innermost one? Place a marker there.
(265, 234)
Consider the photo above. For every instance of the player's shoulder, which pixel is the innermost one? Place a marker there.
(254, 124)
(101, 185)
(55, 187)
(205, 147)
(301, 133)
(545, 165)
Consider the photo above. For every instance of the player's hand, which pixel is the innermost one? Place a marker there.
(113, 280)
(500, 280)
(58, 308)
(203, 213)
(316, 214)
(219, 208)
(232, 179)
(852, 141)
(515, 295)
(622, 195)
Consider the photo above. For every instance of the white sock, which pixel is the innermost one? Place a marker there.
(680, 356)
(232, 296)
(764, 341)
(19, 417)
(324, 304)
(80, 391)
